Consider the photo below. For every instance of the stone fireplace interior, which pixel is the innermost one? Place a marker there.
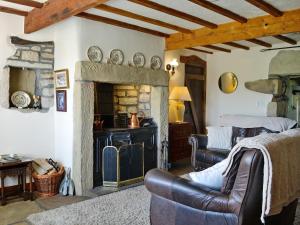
(122, 89)
(113, 102)
(114, 99)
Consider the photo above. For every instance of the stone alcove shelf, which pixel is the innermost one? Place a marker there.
(30, 69)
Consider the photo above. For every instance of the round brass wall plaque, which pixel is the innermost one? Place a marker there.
(228, 82)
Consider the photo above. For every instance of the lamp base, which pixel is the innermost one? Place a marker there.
(180, 109)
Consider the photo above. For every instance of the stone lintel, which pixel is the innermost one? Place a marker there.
(285, 63)
(29, 65)
(89, 71)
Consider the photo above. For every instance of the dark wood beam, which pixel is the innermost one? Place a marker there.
(217, 48)
(200, 50)
(262, 26)
(220, 10)
(125, 13)
(173, 12)
(286, 39)
(55, 11)
(236, 45)
(13, 11)
(266, 7)
(30, 3)
(260, 42)
(121, 24)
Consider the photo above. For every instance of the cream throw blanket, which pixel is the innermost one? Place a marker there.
(281, 180)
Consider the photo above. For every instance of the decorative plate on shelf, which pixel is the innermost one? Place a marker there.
(139, 59)
(95, 54)
(155, 62)
(116, 57)
(20, 99)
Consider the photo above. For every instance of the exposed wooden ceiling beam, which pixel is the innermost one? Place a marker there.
(217, 48)
(13, 11)
(56, 10)
(266, 7)
(220, 10)
(286, 39)
(200, 50)
(173, 12)
(120, 24)
(260, 42)
(236, 45)
(142, 18)
(30, 3)
(262, 26)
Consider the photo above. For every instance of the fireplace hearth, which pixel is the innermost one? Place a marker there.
(86, 74)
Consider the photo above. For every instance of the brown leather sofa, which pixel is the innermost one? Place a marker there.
(177, 201)
(203, 157)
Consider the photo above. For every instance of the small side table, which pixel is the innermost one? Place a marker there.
(18, 169)
(179, 147)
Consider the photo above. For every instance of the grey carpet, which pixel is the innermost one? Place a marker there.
(127, 207)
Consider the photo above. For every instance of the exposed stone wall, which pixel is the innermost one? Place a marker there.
(37, 56)
(132, 98)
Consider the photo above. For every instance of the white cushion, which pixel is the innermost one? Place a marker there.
(211, 177)
(219, 137)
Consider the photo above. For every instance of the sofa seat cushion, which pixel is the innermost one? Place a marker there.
(211, 156)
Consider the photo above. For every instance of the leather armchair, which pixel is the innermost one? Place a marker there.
(177, 201)
(202, 157)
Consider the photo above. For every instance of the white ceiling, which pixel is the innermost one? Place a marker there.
(240, 7)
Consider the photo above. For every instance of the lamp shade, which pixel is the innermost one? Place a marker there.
(180, 93)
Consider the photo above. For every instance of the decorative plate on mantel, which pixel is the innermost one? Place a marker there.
(116, 57)
(139, 60)
(155, 62)
(20, 99)
(95, 54)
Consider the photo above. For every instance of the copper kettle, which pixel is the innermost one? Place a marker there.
(134, 120)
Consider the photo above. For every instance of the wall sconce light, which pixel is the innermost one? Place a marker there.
(172, 66)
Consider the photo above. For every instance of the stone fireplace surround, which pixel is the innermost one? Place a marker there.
(86, 73)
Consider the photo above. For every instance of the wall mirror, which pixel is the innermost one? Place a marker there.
(228, 82)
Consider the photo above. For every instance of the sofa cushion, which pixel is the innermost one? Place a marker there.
(239, 133)
(211, 177)
(219, 137)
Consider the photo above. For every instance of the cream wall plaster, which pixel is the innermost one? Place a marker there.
(247, 65)
(30, 134)
(178, 78)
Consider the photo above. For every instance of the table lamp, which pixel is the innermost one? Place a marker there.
(180, 94)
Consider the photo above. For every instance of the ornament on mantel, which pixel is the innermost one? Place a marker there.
(36, 102)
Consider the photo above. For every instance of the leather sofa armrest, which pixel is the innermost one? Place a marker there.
(186, 192)
(198, 141)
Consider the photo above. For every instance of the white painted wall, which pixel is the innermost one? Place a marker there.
(109, 37)
(29, 134)
(66, 39)
(247, 65)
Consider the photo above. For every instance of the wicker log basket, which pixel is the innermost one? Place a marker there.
(48, 185)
